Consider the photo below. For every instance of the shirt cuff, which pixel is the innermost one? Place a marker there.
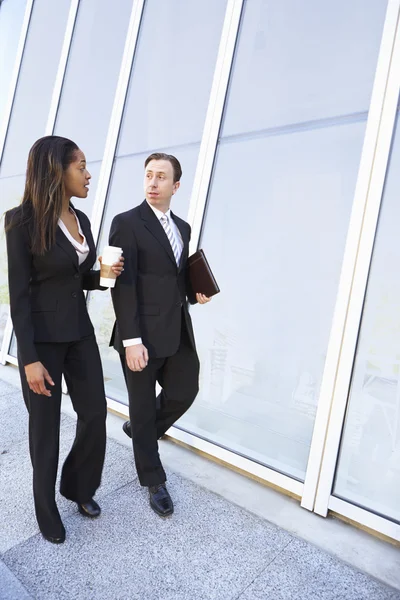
(132, 342)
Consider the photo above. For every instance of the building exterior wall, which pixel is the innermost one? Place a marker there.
(283, 116)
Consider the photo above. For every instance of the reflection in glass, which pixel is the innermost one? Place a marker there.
(368, 471)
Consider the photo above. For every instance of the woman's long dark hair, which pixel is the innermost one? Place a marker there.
(43, 196)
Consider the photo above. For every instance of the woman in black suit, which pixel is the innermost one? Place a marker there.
(50, 256)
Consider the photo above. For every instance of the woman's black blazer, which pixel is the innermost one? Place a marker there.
(46, 292)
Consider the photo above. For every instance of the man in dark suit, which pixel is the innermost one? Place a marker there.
(153, 330)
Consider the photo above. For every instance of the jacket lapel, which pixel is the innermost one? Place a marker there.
(87, 232)
(65, 244)
(156, 229)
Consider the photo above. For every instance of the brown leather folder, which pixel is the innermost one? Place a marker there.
(201, 277)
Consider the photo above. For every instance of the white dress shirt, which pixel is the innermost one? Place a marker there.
(82, 250)
(159, 214)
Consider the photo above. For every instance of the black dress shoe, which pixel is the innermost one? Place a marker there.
(160, 500)
(127, 428)
(89, 509)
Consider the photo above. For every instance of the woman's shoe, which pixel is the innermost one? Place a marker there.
(55, 539)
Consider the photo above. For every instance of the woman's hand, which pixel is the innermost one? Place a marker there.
(36, 375)
(117, 267)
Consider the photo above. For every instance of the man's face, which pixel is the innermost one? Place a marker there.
(159, 184)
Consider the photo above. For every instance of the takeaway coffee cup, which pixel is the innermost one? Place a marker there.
(110, 256)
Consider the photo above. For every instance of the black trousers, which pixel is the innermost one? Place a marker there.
(81, 473)
(151, 417)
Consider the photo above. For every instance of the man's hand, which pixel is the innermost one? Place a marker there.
(36, 375)
(202, 299)
(137, 357)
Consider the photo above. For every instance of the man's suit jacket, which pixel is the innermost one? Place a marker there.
(149, 295)
(46, 292)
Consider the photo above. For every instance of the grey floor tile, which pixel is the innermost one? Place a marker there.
(10, 587)
(303, 572)
(14, 425)
(7, 389)
(207, 550)
(17, 519)
(14, 418)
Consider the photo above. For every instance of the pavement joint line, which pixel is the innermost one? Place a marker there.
(265, 567)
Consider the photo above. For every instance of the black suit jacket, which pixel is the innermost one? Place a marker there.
(46, 292)
(149, 295)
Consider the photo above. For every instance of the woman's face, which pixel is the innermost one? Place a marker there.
(77, 177)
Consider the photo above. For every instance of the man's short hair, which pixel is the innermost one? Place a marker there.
(176, 165)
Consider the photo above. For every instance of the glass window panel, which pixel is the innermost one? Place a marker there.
(277, 257)
(35, 83)
(11, 189)
(92, 74)
(368, 471)
(172, 74)
(11, 18)
(276, 224)
(301, 61)
(13, 346)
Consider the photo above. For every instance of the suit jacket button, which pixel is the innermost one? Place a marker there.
(76, 276)
(74, 294)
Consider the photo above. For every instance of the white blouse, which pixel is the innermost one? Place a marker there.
(82, 250)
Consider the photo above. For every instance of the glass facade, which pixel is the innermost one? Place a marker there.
(30, 111)
(282, 192)
(278, 202)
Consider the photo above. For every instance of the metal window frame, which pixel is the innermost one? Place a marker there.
(15, 75)
(354, 281)
(214, 116)
(365, 518)
(62, 66)
(117, 114)
(369, 187)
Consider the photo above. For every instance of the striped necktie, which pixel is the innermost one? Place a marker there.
(176, 244)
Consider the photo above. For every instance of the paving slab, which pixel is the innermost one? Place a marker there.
(207, 550)
(210, 549)
(10, 587)
(17, 517)
(14, 426)
(302, 571)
